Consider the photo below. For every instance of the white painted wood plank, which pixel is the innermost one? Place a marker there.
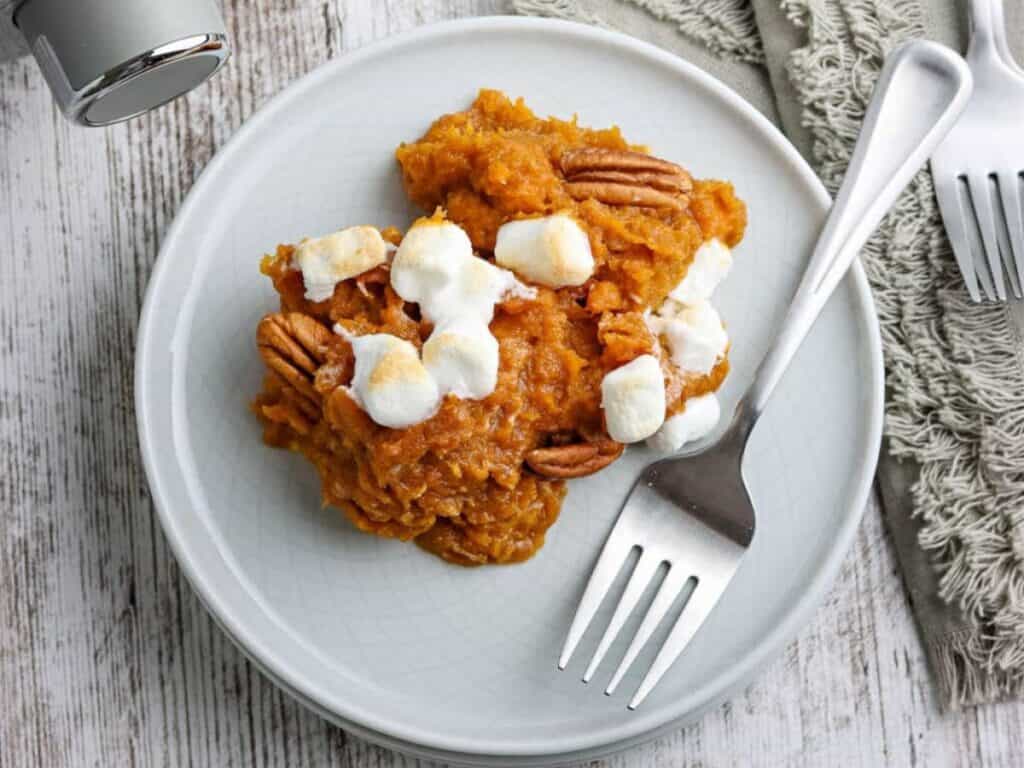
(106, 656)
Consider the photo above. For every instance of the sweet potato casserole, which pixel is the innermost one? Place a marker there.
(551, 306)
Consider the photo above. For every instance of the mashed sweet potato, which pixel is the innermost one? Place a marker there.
(457, 483)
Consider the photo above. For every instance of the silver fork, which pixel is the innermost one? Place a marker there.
(977, 169)
(693, 513)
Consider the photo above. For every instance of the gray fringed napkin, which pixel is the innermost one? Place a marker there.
(952, 472)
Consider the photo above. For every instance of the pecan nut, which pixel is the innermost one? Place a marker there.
(575, 460)
(293, 346)
(622, 177)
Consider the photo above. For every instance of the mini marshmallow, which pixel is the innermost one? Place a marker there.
(696, 421)
(326, 261)
(633, 398)
(390, 383)
(462, 357)
(428, 262)
(696, 338)
(552, 250)
(481, 285)
(710, 265)
(435, 268)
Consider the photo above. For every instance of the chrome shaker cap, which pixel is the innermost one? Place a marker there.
(108, 60)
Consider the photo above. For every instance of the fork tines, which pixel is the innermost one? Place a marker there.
(982, 215)
(697, 565)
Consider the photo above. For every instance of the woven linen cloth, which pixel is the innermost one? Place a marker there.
(951, 473)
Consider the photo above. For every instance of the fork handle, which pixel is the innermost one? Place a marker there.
(988, 33)
(922, 89)
(984, 32)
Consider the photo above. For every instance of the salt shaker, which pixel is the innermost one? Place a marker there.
(109, 60)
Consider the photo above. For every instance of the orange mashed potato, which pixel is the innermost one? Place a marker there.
(460, 484)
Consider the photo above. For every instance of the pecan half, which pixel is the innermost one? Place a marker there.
(576, 460)
(621, 177)
(293, 346)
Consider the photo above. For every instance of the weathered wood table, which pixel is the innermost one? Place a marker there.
(106, 656)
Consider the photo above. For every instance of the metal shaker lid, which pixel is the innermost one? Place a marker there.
(108, 60)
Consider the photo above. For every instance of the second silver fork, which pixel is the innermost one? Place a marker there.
(978, 167)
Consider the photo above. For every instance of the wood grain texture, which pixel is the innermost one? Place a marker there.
(106, 656)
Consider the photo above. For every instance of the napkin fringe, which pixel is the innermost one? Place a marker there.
(953, 368)
(570, 10)
(725, 27)
(962, 673)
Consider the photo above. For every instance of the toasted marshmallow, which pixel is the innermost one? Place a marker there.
(326, 261)
(390, 383)
(696, 338)
(462, 357)
(481, 285)
(633, 398)
(435, 268)
(429, 261)
(552, 250)
(697, 420)
(709, 267)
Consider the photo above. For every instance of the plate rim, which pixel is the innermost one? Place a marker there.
(413, 739)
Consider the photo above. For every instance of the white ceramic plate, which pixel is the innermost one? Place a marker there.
(389, 641)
